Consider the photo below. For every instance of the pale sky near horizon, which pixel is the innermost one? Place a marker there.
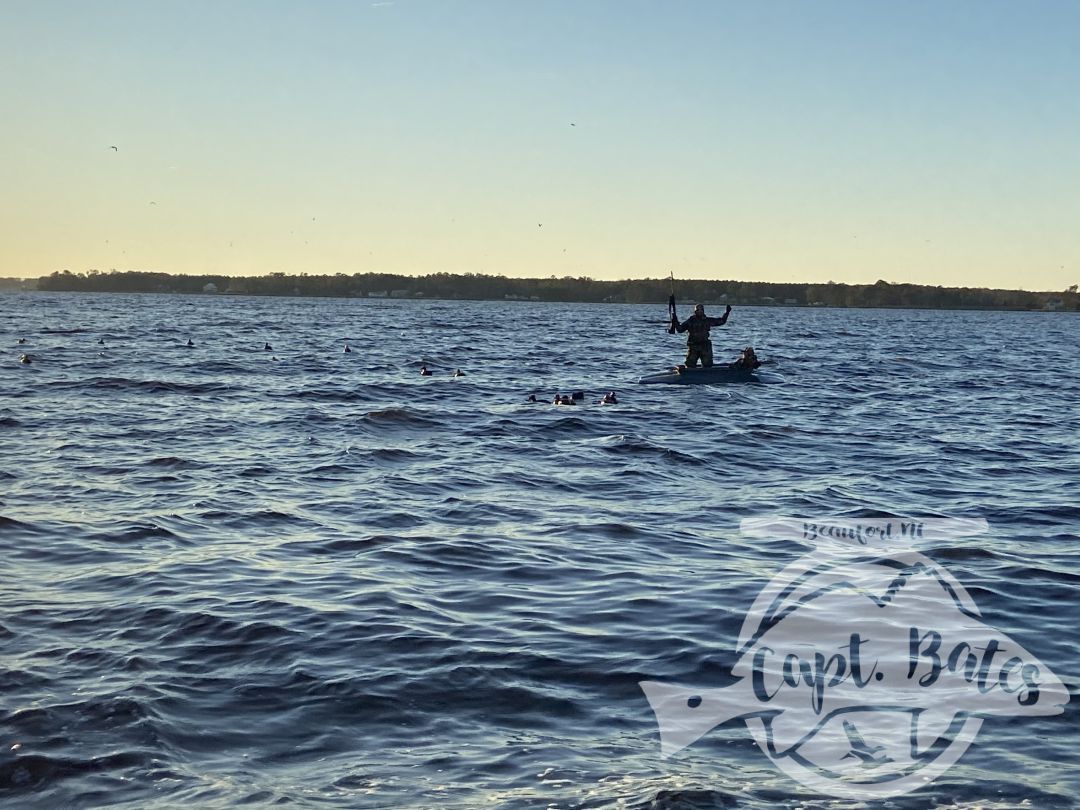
(924, 142)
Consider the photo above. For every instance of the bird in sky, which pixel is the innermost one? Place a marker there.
(114, 148)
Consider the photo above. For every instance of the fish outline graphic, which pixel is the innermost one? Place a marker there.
(864, 668)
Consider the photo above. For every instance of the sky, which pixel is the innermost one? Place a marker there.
(923, 142)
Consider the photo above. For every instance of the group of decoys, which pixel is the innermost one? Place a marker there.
(560, 399)
(427, 372)
(578, 396)
(424, 370)
(26, 358)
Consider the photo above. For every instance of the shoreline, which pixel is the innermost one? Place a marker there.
(492, 299)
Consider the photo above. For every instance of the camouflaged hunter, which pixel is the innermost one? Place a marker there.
(698, 345)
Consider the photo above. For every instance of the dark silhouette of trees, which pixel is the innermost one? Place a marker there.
(474, 286)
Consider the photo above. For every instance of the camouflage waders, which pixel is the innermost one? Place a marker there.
(698, 349)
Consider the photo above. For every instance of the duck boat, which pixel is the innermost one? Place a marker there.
(722, 373)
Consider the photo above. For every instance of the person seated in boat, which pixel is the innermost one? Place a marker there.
(747, 359)
(698, 345)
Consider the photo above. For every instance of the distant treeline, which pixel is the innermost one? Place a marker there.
(636, 291)
(7, 284)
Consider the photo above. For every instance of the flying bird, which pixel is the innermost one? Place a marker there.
(114, 148)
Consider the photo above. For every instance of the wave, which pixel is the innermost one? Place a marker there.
(633, 445)
(399, 418)
(138, 533)
(104, 384)
(36, 772)
(173, 463)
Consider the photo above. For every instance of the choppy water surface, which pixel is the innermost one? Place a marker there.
(322, 580)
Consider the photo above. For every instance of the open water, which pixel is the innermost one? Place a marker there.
(323, 580)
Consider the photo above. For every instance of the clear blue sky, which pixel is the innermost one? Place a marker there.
(808, 141)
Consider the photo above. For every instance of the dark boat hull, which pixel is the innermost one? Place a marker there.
(701, 376)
